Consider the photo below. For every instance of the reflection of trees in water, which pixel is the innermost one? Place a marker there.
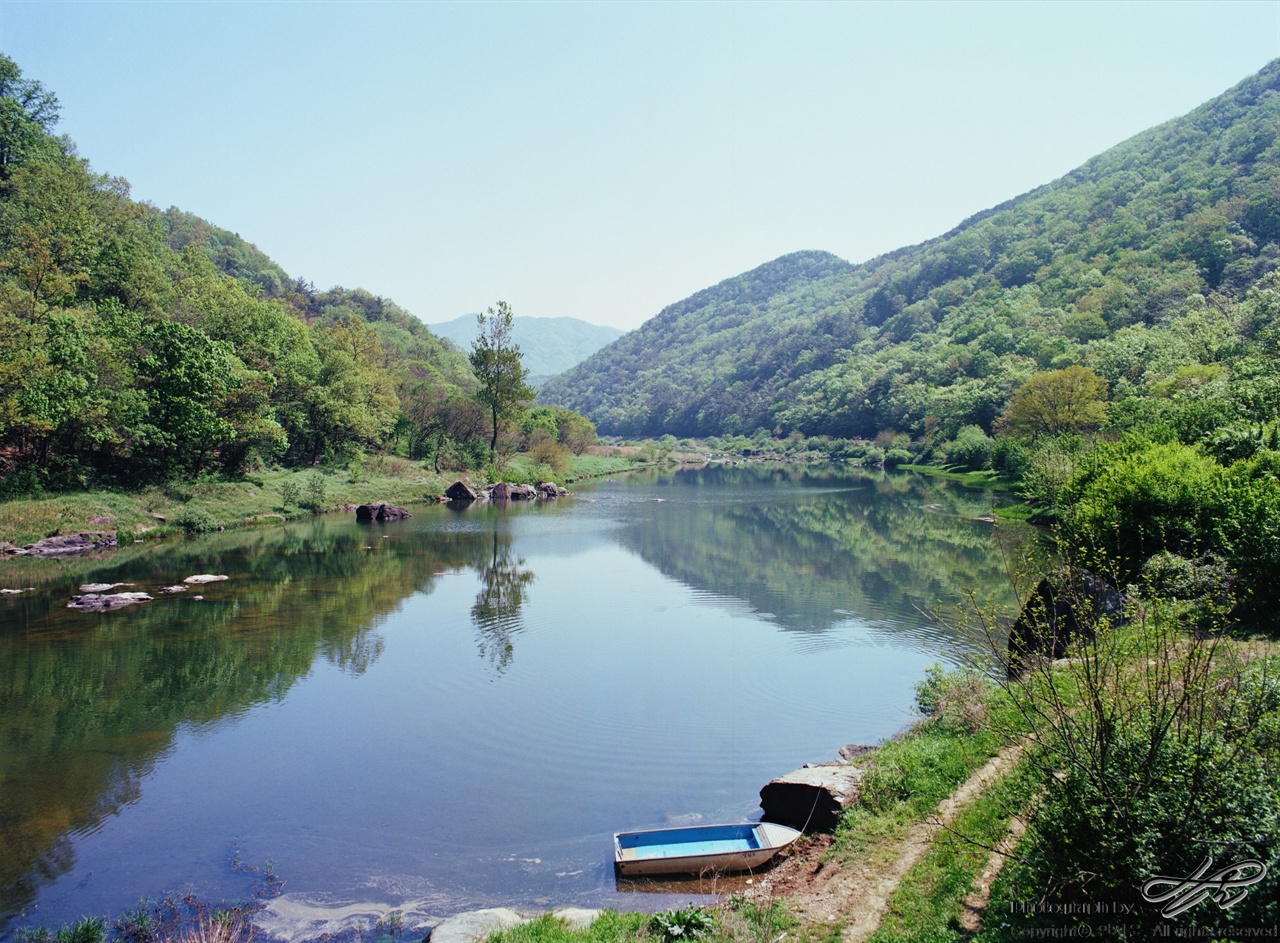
(496, 612)
(874, 545)
(91, 701)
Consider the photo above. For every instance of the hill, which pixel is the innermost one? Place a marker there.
(1119, 266)
(138, 345)
(550, 345)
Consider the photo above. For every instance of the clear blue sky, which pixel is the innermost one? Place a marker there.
(602, 160)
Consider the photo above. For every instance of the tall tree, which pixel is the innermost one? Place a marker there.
(496, 360)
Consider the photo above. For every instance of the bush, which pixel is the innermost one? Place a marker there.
(897, 456)
(196, 521)
(971, 448)
(316, 492)
(1135, 501)
(290, 494)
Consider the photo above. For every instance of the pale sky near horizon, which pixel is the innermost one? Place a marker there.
(603, 160)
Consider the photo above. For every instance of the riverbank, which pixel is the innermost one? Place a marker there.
(269, 496)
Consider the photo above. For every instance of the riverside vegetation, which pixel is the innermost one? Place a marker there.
(1109, 344)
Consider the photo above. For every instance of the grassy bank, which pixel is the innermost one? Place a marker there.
(270, 496)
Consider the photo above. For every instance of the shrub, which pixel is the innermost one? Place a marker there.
(196, 521)
(316, 492)
(897, 456)
(290, 494)
(971, 448)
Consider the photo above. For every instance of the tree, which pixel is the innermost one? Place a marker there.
(1057, 402)
(496, 360)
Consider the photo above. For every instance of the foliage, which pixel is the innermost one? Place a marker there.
(495, 358)
(196, 521)
(316, 491)
(1135, 266)
(688, 923)
(971, 449)
(1057, 402)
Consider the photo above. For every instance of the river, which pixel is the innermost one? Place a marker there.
(459, 710)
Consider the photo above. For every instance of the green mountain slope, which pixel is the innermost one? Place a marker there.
(1103, 267)
(550, 345)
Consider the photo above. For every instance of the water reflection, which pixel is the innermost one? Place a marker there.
(809, 548)
(93, 700)
(496, 612)
(93, 707)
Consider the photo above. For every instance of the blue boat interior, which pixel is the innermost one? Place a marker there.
(686, 842)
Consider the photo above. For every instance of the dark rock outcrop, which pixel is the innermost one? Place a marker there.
(549, 490)
(381, 511)
(460, 491)
(1063, 610)
(67, 546)
(499, 492)
(811, 799)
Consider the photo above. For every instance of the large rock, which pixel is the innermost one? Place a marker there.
(381, 511)
(499, 492)
(68, 545)
(100, 602)
(811, 799)
(1060, 611)
(549, 490)
(474, 925)
(461, 491)
(523, 492)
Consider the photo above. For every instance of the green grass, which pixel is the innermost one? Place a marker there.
(927, 902)
(977, 479)
(156, 511)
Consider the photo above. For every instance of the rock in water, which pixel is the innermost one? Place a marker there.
(460, 491)
(381, 511)
(67, 546)
(474, 925)
(811, 799)
(97, 602)
(205, 578)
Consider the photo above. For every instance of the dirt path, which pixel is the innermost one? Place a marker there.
(820, 891)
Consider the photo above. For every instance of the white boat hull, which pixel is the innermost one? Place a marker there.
(702, 849)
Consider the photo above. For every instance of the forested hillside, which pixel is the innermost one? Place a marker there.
(550, 345)
(1135, 265)
(137, 344)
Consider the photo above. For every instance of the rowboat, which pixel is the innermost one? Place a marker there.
(700, 848)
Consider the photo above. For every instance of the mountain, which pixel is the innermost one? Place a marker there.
(550, 345)
(1112, 266)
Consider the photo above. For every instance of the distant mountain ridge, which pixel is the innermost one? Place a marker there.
(550, 345)
(1097, 268)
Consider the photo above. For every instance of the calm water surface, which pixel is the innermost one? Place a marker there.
(460, 709)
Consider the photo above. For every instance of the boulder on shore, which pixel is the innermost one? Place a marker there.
(67, 545)
(499, 492)
(381, 511)
(811, 799)
(1061, 611)
(549, 490)
(460, 491)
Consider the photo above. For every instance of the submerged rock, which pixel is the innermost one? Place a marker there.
(68, 545)
(381, 511)
(169, 590)
(100, 587)
(100, 602)
(474, 925)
